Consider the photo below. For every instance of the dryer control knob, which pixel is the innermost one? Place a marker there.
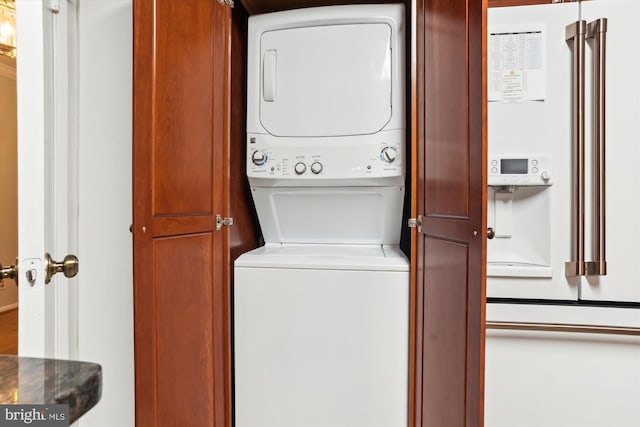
(259, 158)
(316, 167)
(300, 168)
(388, 154)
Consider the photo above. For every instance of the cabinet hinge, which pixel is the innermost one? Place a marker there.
(223, 222)
(415, 223)
(226, 2)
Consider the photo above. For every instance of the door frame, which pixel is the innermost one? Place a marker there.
(30, 86)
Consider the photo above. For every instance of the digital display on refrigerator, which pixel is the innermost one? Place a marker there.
(514, 166)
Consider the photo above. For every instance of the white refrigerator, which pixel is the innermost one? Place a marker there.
(563, 258)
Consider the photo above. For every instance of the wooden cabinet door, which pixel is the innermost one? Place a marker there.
(450, 183)
(181, 274)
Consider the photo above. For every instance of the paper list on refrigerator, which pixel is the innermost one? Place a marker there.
(516, 64)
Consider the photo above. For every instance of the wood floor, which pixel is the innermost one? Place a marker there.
(9, 332)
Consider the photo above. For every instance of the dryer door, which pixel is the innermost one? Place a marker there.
(331, 80)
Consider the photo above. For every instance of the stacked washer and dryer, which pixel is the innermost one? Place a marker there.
(321, 311)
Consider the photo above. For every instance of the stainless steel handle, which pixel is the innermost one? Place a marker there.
(598, 31)
(559, 327)
(576, 32)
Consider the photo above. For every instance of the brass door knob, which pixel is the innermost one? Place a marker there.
(10, 272)
(68, 266)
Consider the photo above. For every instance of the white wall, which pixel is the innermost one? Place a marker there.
(105, 252)
(8, 178)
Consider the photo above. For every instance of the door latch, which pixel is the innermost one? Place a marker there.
(415, 223)
(223, 222)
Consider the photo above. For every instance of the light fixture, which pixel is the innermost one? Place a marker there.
(8, 28)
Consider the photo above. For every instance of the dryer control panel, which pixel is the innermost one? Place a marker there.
(369, 156)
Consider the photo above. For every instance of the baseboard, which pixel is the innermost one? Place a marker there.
(8, 307)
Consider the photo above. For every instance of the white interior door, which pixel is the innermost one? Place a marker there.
(45, 176)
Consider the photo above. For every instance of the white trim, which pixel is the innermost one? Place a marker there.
(33, 333)
(62, 223)
(7, 67)
(8, 307)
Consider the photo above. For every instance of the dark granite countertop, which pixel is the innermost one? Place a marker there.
(25, 380)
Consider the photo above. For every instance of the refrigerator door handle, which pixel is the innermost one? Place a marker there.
(576, 33)
(563, 327)
(598, 31)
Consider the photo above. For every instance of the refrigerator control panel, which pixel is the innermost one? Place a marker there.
(519, 170)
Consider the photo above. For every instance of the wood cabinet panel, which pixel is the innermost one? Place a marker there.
(446, 108)
(183, 328)
(183, 94)
(449, 112)
(181, 181)
(444, 352)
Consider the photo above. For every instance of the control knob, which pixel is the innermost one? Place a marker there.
(300, 168)
(316, 167)
(545, 176)
(259, 158)
(388, 154)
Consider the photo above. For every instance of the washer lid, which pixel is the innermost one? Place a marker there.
(331, 80)
(326, 257)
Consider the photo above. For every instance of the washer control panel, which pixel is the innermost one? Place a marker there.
(330, 159)
(519, 170)
(259, 157)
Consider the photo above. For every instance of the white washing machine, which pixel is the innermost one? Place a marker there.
(321, 311)
(321, 336)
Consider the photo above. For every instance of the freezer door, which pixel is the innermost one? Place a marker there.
(622, 151)
(330, 80)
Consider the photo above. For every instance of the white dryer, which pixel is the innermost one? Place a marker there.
(321, 311)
